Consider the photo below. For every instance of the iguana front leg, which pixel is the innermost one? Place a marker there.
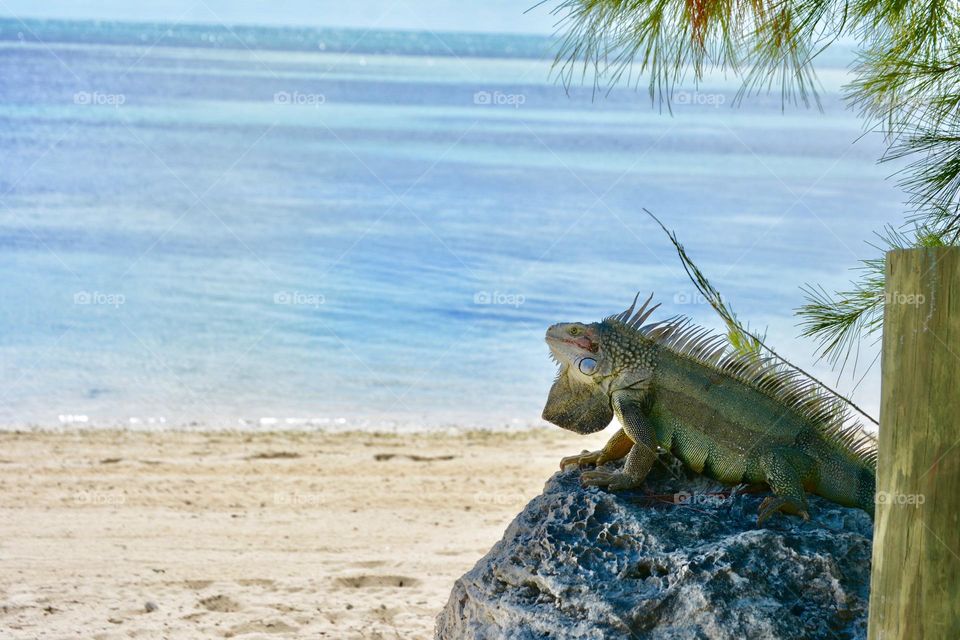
(783, 471)
(642, 454)
(617, 447)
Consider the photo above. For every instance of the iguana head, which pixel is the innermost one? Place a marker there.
(573, 343)
(577, 400)
(596, 360)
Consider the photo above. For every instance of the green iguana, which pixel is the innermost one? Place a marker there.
(732, 417)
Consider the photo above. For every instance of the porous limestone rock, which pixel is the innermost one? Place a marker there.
(687, 562)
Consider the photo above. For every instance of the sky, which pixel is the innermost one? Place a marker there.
(488, 16)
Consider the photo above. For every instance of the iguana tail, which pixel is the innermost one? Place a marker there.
(846, 481)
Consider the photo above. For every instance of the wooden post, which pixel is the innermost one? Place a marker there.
(915, 583)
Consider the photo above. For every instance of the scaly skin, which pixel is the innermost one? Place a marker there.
(618, 446)
(726, 417)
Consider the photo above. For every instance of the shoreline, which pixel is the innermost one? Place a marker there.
(401, 430)
(229, 533)
(372, 425)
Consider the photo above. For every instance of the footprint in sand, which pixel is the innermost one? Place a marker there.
(374, 582)
(260, 626)
(381, 457)
(197, 585)
(274, 455)
(220, 603)
(255, 582)
(367, 564)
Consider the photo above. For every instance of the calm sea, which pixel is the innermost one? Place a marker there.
(342, 229)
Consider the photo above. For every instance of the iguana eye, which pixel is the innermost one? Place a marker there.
(587, 366)
(574, 331)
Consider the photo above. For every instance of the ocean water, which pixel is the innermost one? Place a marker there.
(263, 227)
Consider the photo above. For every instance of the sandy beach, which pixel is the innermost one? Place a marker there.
(109, 534)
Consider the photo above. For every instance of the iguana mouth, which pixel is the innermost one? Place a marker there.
(583, 342)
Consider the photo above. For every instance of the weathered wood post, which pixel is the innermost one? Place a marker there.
(915, 583)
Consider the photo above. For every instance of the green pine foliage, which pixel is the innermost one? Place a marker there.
(906, 84)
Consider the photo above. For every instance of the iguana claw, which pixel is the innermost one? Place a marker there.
(583, 459)
(612, 480)
(773, 504)
(618, 446)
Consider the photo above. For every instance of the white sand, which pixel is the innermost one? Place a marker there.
(253, 535)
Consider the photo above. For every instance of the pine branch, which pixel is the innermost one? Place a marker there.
(839, 321)
(907, 84)
(766, 43)
(737, 333)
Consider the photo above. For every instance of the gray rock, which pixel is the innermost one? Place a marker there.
(585, 563)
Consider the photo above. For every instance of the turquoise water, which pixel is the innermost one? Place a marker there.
(336, 229)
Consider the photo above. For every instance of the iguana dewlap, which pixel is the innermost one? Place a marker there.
(732, 417)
